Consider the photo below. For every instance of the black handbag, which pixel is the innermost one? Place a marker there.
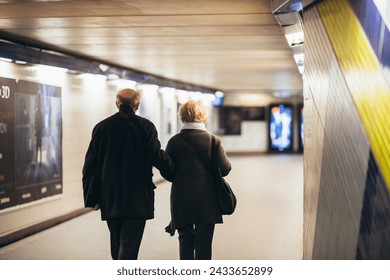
(227, 200)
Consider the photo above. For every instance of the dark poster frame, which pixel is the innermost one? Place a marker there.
(34, 137)
(230, 120)
(272, 146)
(253, 113)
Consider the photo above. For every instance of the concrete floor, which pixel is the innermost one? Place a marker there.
(267, 224)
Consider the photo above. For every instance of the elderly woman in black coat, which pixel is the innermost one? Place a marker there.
(194, 206)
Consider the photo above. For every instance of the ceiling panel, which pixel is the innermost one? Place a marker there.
(234, 46)
(40, 21)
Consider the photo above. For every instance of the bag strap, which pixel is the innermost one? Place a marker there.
(205, 163)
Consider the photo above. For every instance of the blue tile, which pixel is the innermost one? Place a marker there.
(374, 235)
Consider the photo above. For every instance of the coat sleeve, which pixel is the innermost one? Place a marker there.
(91, 160)
(159, 158)
(220, 157)
(169, 174)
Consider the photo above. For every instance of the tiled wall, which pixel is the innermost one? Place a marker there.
(346, 201)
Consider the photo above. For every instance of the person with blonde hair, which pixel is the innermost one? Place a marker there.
(194, 206)
(119, 160)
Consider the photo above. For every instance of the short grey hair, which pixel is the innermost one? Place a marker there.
(129, 97)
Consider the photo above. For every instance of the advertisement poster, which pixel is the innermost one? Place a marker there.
(281, 127)
(31, 142)
(301, 127)
(7, 140)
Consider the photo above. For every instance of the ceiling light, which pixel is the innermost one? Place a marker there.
(295, 39)
(5, 59)
(103, 67)
(20, 62)
(219, 94)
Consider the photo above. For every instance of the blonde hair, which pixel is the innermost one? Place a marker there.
(193, 111)
(129, 97)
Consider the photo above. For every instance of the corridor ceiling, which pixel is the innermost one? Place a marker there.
(235, 46)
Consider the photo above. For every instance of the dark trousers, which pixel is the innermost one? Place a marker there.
(195, 241)
(125, 238)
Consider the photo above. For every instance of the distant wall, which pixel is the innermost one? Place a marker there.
(254, 134)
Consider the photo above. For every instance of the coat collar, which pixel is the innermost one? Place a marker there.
(126, 109)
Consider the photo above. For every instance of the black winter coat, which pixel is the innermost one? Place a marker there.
(123, 149)
(193, 196)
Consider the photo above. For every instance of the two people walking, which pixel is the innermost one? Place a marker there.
(122, 152)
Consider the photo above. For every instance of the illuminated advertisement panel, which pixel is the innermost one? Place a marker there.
(280, 127)
(31, 142)
(301, 127)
